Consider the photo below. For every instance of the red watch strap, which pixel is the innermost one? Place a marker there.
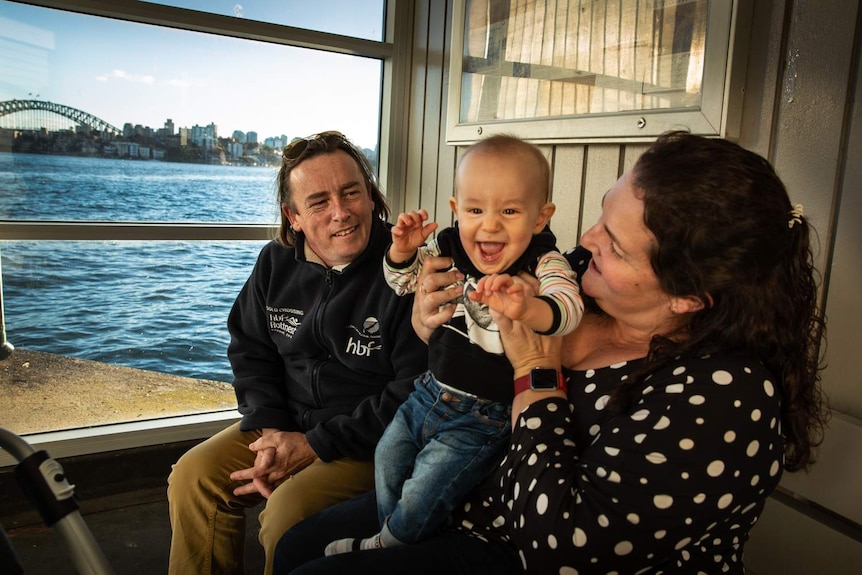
(523, 383)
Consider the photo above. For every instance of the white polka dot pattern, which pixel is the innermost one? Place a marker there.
(672, 486)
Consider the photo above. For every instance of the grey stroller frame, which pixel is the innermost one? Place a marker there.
(46, 486)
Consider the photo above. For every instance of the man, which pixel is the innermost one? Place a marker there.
(322, 353)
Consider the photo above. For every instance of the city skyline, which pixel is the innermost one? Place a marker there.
(121, 129)
(132, 73)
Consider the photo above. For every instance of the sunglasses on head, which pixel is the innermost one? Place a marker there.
(295, 149)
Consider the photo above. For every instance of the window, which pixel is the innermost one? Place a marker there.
(139, 145)
(590, 70)
(346, 17)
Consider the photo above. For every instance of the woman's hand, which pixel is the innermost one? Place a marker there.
(432, 304)
(527, 350)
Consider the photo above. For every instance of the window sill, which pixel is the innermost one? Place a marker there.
(99, 439)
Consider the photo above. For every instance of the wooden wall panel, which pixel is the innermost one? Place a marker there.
(601, 172)
(567, 193)
(807, 134)
(843, 378)
(810, 153)
(411, 196)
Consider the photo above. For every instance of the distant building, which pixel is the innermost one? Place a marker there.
(143, 131)
(251, 138)
(276, 143)
(235, 149)
(127, 150)
(168, 130)
(239, 136)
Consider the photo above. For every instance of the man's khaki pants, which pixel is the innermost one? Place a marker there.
(208, 520)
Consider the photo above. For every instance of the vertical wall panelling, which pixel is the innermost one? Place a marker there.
(418, 106)
(834, 481)
(631, 153)
(436, 152)
(430, 162)
(602, 171)
(394, 113)
(446, 161)
(807, 146)
(567, 188)
(811, 109)
(843, 304)
(432, 120)
(765, 56)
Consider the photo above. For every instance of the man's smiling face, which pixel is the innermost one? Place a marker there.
(331, 206)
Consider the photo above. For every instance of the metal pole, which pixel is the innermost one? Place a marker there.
(6, 348)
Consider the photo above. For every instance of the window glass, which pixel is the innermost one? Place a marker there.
(546, 59)
(357, 18)
(203, 117)
(54, 187)
(104, 120)
(160, 306)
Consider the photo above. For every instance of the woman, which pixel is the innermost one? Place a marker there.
(693, 380)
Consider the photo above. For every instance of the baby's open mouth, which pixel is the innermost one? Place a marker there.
(490, 251)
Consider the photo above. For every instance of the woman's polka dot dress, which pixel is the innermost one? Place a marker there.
(671, 486)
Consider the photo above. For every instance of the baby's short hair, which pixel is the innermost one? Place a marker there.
(510, 144)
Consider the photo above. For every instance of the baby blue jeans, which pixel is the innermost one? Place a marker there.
(439, 446)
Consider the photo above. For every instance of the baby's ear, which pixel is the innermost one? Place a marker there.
(453, 205)
(544, 217)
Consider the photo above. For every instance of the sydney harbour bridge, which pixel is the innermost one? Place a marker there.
(39, 114)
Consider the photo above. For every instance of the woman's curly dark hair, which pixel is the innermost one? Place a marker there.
(727, 233)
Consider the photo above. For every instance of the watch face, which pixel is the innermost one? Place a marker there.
(544, 379)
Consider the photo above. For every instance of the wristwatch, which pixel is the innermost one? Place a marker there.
(541, 379)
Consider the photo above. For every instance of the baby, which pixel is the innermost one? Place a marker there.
(452, 430)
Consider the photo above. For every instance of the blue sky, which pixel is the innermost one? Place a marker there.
(124, 72)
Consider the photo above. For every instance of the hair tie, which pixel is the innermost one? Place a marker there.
(796, 214)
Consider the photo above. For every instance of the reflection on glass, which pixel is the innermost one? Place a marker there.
(534, 59)
(357, 18)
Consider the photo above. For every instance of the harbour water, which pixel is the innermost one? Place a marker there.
(160, 305)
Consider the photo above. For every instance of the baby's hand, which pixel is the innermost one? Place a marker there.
(409, 234)
(504, 294)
